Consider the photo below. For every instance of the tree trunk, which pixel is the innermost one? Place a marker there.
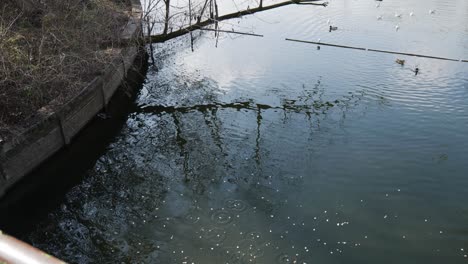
(166, 21)
(190, 23)
(183, 31)
(202, 11)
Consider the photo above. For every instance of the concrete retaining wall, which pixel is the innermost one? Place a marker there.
(57, 127)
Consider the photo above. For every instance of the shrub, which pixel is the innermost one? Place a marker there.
(52, 52)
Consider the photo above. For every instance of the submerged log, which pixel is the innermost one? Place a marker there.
(375, 50)
(232, 32)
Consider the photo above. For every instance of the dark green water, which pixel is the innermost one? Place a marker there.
(267, 151)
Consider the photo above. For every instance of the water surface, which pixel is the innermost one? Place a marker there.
(258, 150)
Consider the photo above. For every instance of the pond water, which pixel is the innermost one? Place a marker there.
(261, 150)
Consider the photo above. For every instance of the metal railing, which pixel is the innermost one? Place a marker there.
(14, 251)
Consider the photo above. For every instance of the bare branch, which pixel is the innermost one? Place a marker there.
(166, 36)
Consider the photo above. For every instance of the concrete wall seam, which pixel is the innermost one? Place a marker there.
(66, 141)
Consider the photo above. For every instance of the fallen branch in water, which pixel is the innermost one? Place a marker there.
(200, 25)
(374, 50)
(231, 32)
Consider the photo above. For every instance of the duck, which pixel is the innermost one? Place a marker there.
(416, 70)
(397, 27)
(397, 15)
(332, 28)
(377, 5)
(411, 13)
(379, 17)
(431, 11)
(400, 61)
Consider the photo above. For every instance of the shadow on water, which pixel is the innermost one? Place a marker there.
(43, 190)
(111, 211)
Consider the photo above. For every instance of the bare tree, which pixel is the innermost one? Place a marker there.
(202, 11)
(214, 17)
(150, 7)
(166, 20)
(190, 23)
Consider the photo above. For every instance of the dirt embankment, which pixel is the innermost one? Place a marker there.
(48, 54)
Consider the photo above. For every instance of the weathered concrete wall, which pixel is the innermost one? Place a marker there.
(57, 127)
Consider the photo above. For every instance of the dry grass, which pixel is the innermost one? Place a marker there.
(52, 53)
